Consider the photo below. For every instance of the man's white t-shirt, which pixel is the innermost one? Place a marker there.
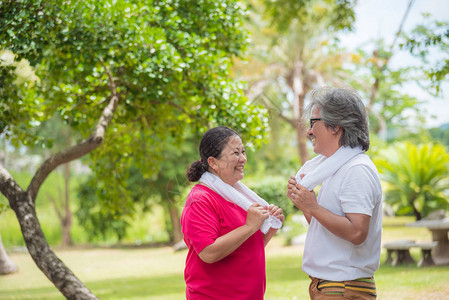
(354, 188)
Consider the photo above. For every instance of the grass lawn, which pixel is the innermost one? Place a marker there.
(157, 273)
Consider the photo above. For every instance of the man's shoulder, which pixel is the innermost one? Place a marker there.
(359, 168)
(362, 160)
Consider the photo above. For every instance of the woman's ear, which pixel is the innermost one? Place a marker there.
(212, 163)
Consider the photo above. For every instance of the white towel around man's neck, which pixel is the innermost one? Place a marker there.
(241, 195)
(320, 167)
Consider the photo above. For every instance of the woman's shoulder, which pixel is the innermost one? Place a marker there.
(201, 193)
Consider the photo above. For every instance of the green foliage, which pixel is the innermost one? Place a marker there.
(273, 189)
(424, 40)
(145, 189)
(294, 48)
(441, 134)
(15, 76)
(167, 61)
(338, 15)
(392, 105)
(98, 221)
(278, 157)
(51, 188)
(416, 177)
(101, 222)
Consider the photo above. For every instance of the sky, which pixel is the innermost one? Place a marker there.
(376, 19)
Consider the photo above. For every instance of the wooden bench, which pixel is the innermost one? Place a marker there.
(398, 252)
(426, 253)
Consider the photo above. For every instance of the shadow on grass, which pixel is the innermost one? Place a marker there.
(172, 287)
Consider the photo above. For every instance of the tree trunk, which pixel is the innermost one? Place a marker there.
(380, 69)
(62, 208)
(297, 86)
(301, 131)
(67, 220)
(47, 261)
(416, 212)
(176, 223)
(23, 204)
(7, 266)
(174, 215)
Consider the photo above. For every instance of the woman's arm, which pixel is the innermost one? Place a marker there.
(267, 236)
(228, 243)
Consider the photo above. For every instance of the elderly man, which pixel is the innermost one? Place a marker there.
(343, 243)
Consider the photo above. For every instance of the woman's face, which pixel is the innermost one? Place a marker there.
(229, 167)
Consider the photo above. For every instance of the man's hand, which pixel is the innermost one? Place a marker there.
(301, 197)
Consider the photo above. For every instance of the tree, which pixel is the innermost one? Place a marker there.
(423, 40)
(23, 73)
(59, 136)
(383, 85)
(416, 177)
(125, 76)
(169, 184)
(389, 102)
(294, 51)
(7, 266)
(441, 134)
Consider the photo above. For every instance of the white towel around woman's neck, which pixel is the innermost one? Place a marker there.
(321, 167)
(241, 195)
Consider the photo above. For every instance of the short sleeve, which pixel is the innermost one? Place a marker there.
(201, 224)
(359, 190)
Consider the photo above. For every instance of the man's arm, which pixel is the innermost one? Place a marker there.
(351, 227)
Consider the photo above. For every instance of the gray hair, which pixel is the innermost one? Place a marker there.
(342, 107)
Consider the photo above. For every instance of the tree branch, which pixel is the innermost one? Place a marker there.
(257, 88)
(8, 186)
(398, 33)
(55, 206)
(375, 86)
(264, 98)
(81, 149)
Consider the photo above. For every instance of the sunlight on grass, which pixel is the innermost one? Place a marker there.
(109, 273)
(157, 273)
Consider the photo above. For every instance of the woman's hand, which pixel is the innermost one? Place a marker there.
(255, 216)
(277, 212)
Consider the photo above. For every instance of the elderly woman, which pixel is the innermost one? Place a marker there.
(343, 242)
(225, 225)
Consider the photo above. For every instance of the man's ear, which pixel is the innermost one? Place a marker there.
(337, 129)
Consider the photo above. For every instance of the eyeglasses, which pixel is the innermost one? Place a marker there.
(313, 121)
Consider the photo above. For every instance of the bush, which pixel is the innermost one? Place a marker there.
(274, 190)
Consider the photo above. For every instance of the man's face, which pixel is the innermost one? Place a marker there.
(325, 140)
